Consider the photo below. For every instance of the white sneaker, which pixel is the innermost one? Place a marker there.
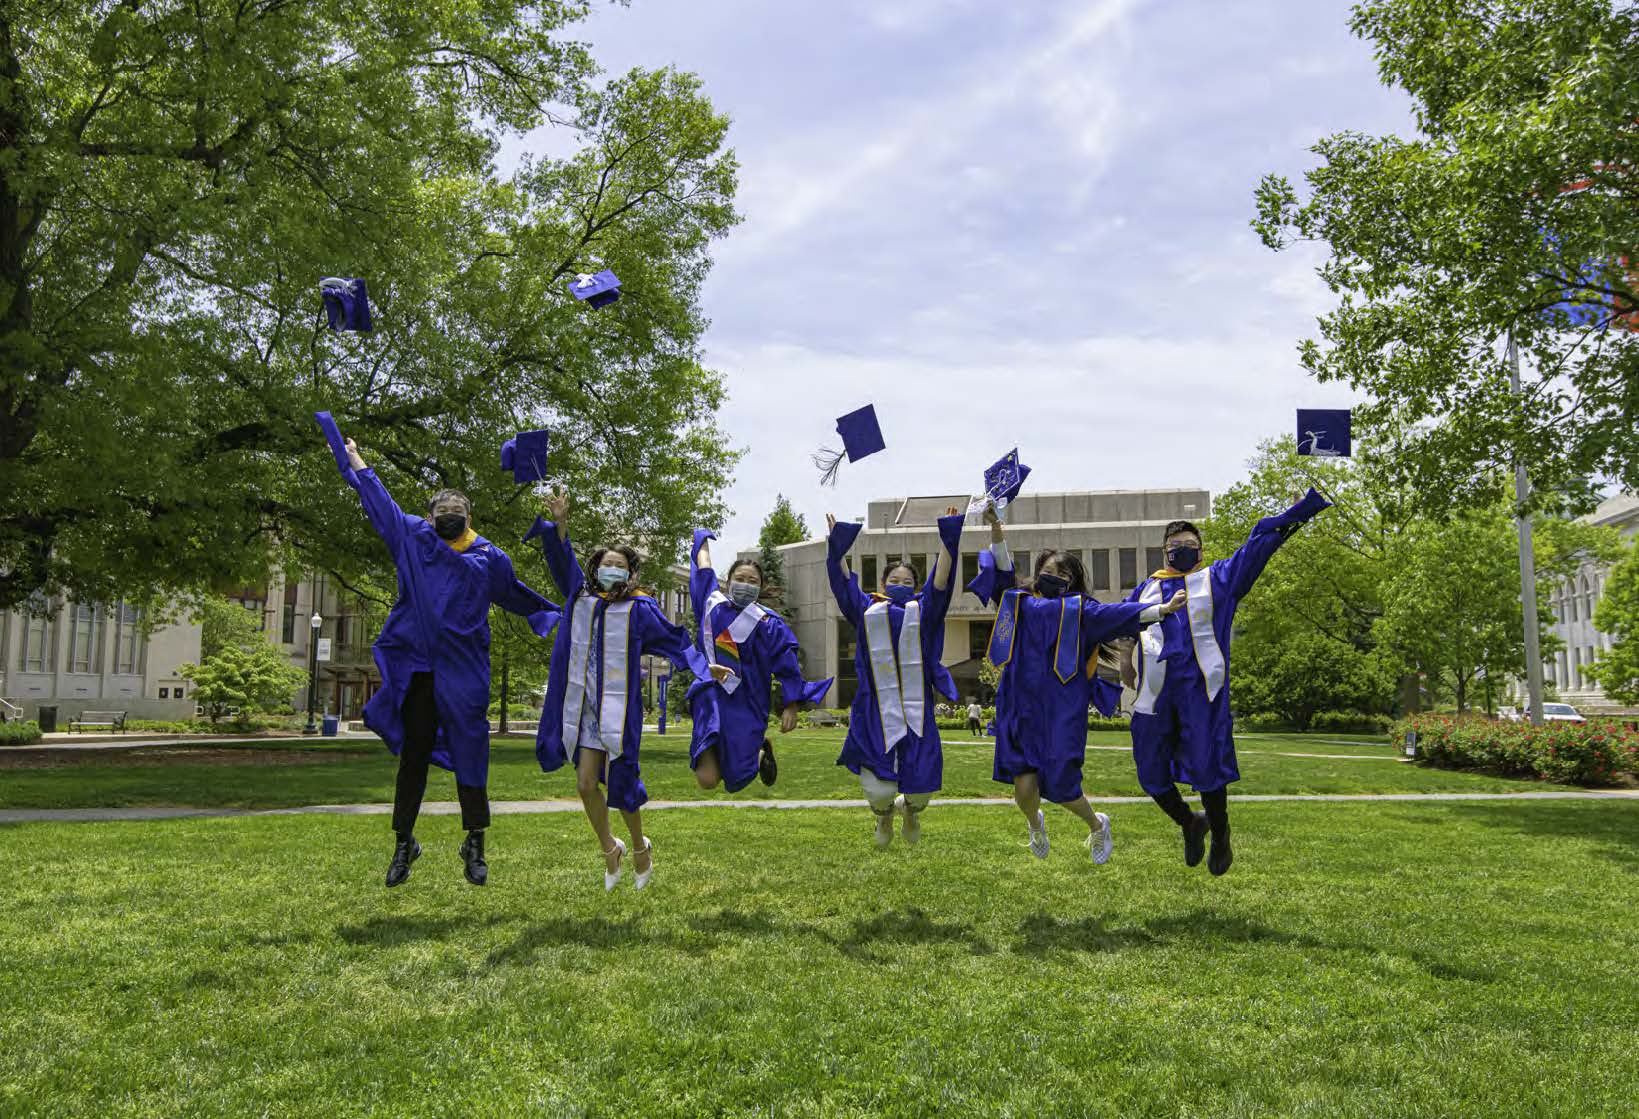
(884, 826)
(611, 877)
(1038, 836)
(643, 876)
(1099, 842)
(911, 830)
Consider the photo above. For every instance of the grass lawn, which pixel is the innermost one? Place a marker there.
(1400, 960)
(357, 772)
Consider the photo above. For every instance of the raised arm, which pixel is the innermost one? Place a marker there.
(555, 545)
(844, 587)
(385, 516)
(657, 635)
(702, 577)
(511, 594)
(1242, 569)
(996, 572)
(936, 595)
(1102, 622)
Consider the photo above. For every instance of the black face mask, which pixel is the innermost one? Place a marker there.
(1183, 558)
(450, 526)
(1051, 586)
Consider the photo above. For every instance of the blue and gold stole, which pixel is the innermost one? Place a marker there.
(1067, 647)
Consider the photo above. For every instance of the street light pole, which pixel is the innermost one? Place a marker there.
(1527, 558)
(313, 672)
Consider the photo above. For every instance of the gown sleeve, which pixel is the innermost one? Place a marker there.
(936, 602)
(994, 576)
(1242, 569)
(845, 587)
(702, 580)
(656, 635)
(511, 594)
(389, 521)
(793, 688)
(560, 558)
(1106, 621)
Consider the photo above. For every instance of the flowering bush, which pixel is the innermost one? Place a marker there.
(1570, 753)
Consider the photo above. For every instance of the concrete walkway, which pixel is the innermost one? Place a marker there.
(543, 807)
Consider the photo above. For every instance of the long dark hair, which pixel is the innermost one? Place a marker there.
(632, 564)
(1071, 563)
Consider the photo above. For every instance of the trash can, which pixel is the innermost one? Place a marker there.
(47, 718)
(331, 723)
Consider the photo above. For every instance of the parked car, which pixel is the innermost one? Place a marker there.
(1561, 713)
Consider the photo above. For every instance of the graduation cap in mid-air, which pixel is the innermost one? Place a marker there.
(861, 436)
(525, 455)
(1003, 480)
(338, 446)
(1323, 432)
(347, 303)
(596, 288)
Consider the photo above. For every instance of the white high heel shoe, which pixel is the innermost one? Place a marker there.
(643, 876)
(611, 877)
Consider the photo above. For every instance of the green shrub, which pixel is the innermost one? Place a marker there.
(1350, 722)
(21, 733)
(1569, 753)
(1263, 721)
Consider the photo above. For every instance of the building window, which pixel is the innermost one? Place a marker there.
(82, 639)
(1099, 570)
(36, 651)
(1154, 559)
(176, 693)
(1129, 567)
(978, 639)
(287, 631)
(867, 573)
(847, 645)
(165, 693)
(970, 567)
(127, 639)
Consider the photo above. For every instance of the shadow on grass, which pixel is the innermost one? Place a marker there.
(912, 926)
(593, 932)
(1611, 826)
(385, 931)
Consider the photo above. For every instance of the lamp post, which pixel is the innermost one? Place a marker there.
(313, 672)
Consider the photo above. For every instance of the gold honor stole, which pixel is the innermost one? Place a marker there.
(1153, 671)
(900, 687)
(1066, 647)
(617, 636)
(738, 630)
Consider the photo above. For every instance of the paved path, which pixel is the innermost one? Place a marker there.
(540, 807)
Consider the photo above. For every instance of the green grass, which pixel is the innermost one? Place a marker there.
(1399, 961)
(357, 772)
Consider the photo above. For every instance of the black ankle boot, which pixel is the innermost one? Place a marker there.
(1195, 839)
(768, 770)
(406, 852)
(1218, 862)
(472, 851)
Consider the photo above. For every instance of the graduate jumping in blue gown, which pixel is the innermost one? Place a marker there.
(1046, 641)
(1181, 725)
(893, 740)
(593, 715)
(433, 654)
(730, 743)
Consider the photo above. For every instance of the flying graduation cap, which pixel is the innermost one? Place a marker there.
(596, 288)
(861, 436)
(1323, 432)
(347, 303)
(525, 455)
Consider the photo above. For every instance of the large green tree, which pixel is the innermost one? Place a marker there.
(783, 525)
(1617, 615)
(1512, 211)
(175, 178)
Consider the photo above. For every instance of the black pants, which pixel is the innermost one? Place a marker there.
(974, 726)
(420, 716)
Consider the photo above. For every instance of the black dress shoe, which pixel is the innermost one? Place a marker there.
(406, 852)
(472, 852)
(1195, 839)
(768, 770)
(1218, 862)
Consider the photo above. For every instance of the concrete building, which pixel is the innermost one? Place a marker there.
(1573, 602)
(82, 657)
(285, 607)
(1117, 534)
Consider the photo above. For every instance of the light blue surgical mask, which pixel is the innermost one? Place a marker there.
(898, 593)
(743, 594)
(611, 577)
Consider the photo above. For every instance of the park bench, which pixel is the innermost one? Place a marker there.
(87, 720)
(824, 718)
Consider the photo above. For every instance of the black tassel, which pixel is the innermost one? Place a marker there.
(829, 462)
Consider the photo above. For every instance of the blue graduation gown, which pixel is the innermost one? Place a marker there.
(917, 762)
(440, 624)
(737, 723)
(1190, 738)
(650, 633)
(1041, 720)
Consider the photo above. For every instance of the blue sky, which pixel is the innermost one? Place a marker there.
(1008, 224)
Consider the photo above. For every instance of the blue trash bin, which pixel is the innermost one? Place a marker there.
(331, 724)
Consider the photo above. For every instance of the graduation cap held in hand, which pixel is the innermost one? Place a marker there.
(525, 455)
(596, 288)
(347, 303)
(1003, 480)
(861, 436)
(1323, 432)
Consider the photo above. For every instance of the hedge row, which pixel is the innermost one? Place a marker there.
(1568, 753)
(23, 733)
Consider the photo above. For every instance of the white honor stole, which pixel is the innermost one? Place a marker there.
(900, 687)
(617, 636)
(739, 629)
(1198, 587)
